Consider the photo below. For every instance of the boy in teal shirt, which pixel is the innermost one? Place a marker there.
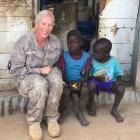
(106, 75)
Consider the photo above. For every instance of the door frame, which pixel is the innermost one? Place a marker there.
(135, 64)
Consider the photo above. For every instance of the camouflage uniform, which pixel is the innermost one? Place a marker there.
(43, 91)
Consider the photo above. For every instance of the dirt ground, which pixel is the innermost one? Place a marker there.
(102, 127)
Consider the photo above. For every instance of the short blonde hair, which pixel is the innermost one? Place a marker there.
(42, 13)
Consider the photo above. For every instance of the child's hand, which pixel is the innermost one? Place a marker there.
(100, 78)
(75, 85)
(119, 80)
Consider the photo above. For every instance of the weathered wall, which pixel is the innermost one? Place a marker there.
(135, 69)
(65, 17)
(117, 22)
(15, 20)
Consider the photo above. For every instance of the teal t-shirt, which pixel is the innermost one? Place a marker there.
(110, 69)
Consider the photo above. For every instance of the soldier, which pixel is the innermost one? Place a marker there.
(33, 62)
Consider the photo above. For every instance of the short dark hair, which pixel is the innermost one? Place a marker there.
(104, 41)
(74, 33)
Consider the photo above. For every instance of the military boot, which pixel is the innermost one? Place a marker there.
(53, 129)
(35, 131)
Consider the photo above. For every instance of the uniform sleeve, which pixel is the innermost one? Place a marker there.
(18, 62)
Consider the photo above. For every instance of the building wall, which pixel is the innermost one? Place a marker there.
(15, 20)
(65, 17)
(117, 22)
(135, 69)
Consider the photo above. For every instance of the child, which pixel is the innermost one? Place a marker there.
(106, 76)
(75, 65)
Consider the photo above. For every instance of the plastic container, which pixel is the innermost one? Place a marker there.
(84, 13)
(87, 27)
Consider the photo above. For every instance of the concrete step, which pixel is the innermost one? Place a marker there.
(11, 102)
(130, 96)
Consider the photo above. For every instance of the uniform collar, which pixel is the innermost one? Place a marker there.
(34, 43)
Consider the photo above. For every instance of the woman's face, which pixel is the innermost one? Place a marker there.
(44, 27)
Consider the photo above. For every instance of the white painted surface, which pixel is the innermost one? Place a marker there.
(123, 35)
(125, 57)
(4, 74)
(126, 68)
(117, 22)
(4, 58)
(121, 23)
(15, 20)
(10, 36)
(120, 9)
(15, 23)
(7, 40)
(6, 47)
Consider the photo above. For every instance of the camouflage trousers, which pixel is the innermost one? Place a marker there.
(44, 93)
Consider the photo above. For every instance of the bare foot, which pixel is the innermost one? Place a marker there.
(62, 117)
(80, 116)
(92, 111)
(117, 116)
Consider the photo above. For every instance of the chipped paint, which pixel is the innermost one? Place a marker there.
(15, 11)
(108, 1)
(103, 4)
(114, 29)
(6, 3)
(124, 35)
(108, 23)
(11, 102)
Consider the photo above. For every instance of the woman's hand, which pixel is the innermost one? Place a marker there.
(45, 70)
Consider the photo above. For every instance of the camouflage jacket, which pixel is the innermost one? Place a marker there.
(27, 58)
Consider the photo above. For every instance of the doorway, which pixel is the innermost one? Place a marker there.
(97, 19)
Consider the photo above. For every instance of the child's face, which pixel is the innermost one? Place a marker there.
(100, 53)
(74, 43)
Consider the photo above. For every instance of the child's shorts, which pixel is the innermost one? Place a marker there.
(102, 86)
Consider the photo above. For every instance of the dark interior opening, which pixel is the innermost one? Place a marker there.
(86, 16)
